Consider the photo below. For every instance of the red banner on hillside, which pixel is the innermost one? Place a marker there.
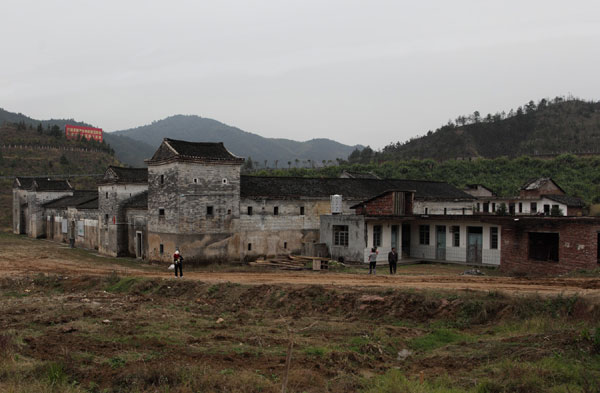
(76, 132)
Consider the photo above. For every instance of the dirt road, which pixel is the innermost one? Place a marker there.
(20, 256)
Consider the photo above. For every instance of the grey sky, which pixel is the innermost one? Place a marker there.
(368, 72)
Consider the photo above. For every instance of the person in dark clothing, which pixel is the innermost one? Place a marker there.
(373, 261)
(393, 260)
(178, 262)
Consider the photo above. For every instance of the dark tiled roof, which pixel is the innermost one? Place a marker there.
(361, 203)
(42, 184)
(534, 184)
(209, 151)
(78, 198)
(92, 205)
(116, 174)
(356, 189)
(139, 201)
(566, 200)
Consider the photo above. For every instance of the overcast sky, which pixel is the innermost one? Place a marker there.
(360, 72)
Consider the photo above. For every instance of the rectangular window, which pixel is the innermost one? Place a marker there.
(285, 245)
(520, 207)
(376, 235)
(161, 212)
(249, 246)
(162, 249)
(107, 195)
(486, 207)
(493, 206)
(276, 210)
(426, 211)
(478, 207)
(456, 236)
(445, 211)
(249, 210)
(162, 179)
(301, 210)
(543, 246)
(533, 207)
(106, 219)
(424, 234)
(340, 235)
(494, 238)
(209, 210)
(547, 209)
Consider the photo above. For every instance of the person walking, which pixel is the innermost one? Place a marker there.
(373, 261)
(178, 262)
(393, 260)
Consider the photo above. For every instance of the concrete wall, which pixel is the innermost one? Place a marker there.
(35, 218)
(428, 251)
(437, 207)
(75, 219)
(494, 205)
(357, 237)
(19, 211)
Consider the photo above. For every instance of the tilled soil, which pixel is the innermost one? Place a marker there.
(37, 256)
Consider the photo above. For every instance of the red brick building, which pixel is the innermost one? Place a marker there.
(549, 245)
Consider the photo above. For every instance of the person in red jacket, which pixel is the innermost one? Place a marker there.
(178, 262)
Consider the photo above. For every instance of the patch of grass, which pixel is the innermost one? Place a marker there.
(394, 381)
(56, 375)
(116, 362)
(437, 338)
(316, 351)
(356, 343)
(122, 285)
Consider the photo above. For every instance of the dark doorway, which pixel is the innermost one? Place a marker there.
(138, 244)
(405, 240)
(395, 230)
(474, 244)
(440, 242)
(22, 227)
(51, 228)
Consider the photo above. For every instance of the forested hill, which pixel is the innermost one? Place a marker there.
(550, 127)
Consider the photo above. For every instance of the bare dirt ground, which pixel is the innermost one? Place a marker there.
(73, 321)
(21, 256)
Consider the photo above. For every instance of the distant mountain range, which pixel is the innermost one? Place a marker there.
(239, 142)
(134, 145)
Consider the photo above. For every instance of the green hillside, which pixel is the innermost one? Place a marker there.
(27, 151)
(550, 127)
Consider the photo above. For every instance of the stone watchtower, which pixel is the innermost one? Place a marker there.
(116, 187)
(193, 201)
